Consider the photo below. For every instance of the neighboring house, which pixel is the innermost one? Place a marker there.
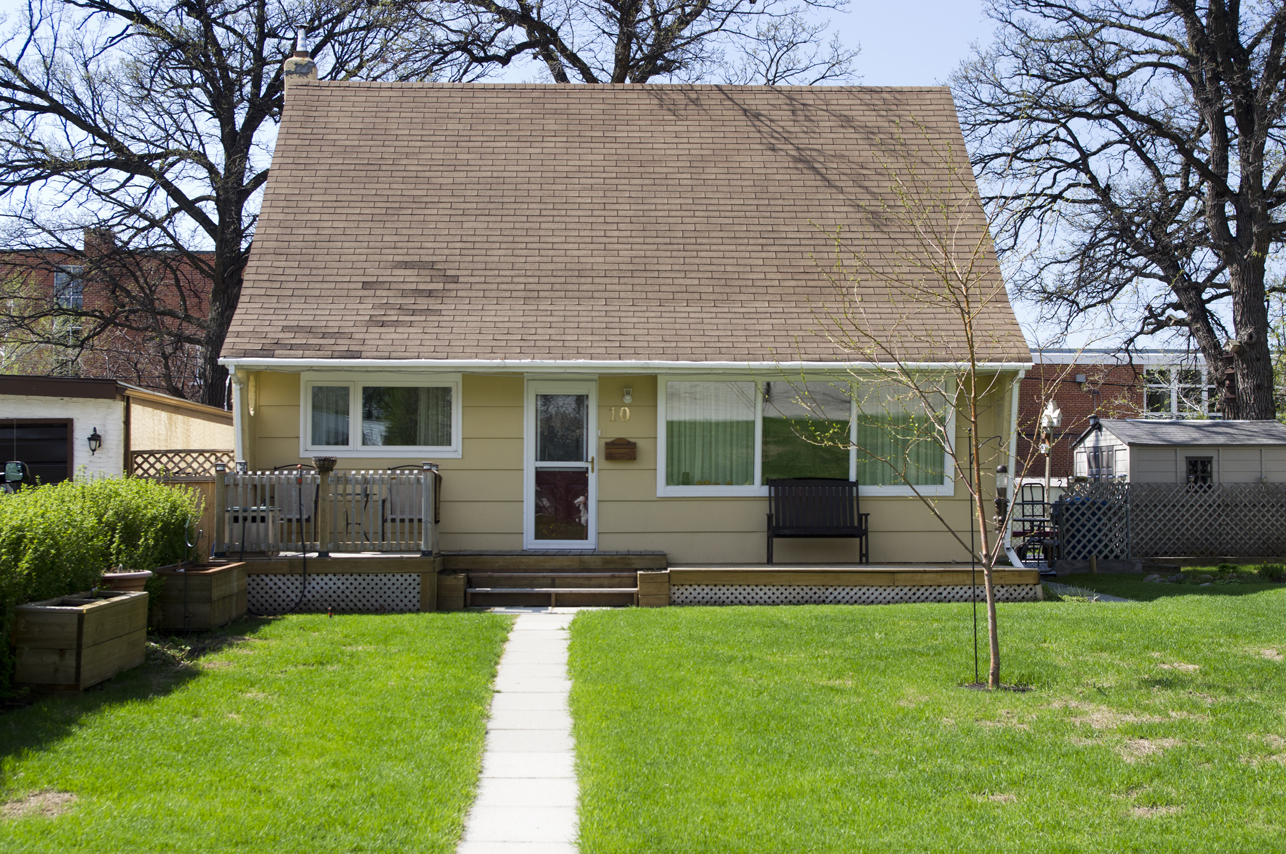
(47, 423)
(1179, 452)
(506, 278)
(1156, 383)
(69, 293)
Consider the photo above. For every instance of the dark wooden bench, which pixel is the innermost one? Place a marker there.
(816, 507)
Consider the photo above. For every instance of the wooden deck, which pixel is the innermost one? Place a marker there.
(456, 580)
(830, 575)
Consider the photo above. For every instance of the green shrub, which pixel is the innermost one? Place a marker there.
(60, 538)
(1273, 572)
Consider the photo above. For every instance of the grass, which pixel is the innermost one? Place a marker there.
(299, 734)
(1155, 726)
(1223, 580)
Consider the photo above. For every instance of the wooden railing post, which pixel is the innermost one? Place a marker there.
(220, 508)
(429, 527)
(325, 465)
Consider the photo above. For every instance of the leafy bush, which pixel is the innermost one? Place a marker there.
(1273, 572)
(60, 538)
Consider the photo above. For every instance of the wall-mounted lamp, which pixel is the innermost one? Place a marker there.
(627, 395)
(95, 442)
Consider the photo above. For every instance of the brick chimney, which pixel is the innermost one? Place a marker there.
(299, 65)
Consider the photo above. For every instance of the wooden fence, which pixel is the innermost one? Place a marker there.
(190, 469)
(1141, 520)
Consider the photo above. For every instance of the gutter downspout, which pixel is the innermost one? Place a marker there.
(1014, 391)
(238, 416)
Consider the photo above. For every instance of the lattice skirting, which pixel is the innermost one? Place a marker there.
(803, 594)
(380, 593)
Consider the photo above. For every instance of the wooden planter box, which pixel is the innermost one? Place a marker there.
(200, 597)
(76, 641)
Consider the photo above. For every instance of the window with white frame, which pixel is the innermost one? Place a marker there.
(730, 437)
(1179, 392)
(380, 416)
(69, 288)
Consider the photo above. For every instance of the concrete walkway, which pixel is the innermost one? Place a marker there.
(527, 793)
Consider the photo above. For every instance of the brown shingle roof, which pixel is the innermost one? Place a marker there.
(459, 221)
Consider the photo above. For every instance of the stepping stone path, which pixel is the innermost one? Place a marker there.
(527, 793)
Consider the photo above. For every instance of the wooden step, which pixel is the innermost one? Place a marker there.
(552, 592)
(559, 561)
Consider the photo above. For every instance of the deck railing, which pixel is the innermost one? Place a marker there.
(292, 510)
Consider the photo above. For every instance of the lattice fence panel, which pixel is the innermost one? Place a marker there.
(178, 464)
(1200, 520)
(802, 594)
(368, 593)
(1094, 519)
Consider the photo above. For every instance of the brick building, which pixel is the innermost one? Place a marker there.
(102, 312)
(1148, 384)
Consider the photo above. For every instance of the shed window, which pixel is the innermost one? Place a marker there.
(1100, 463)
(1201, 470)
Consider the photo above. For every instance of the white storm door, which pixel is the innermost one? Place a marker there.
(560, 484)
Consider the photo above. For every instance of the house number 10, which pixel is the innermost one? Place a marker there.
(625, 413)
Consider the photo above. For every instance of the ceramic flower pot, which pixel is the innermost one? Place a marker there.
(129, 582)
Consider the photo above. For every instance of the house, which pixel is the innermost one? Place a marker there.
(1182, 452)
(62, 427)
(596, 308)
(1152, 383)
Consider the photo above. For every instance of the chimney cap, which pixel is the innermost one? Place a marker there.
(301, 46)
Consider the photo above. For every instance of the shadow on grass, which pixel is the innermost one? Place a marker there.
(42, 719)
(1134, 587)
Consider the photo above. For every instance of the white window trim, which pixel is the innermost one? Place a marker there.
(664, 490)
(354, 449)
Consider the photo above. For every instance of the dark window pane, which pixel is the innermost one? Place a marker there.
(806, 431)
(69, 289)
(560, 427)
(330, 415)
(406, 416)
(562, 504)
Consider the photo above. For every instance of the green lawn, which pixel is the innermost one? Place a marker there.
(1198, 581)
(1157, 726)
(300, 734)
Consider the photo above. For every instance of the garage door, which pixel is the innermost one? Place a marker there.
(45, 446)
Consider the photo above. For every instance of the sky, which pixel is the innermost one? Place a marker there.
(916, 43)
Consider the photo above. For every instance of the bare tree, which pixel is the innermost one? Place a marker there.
(153, 121)
(1141, 145)
(939, 295)
(629, 41)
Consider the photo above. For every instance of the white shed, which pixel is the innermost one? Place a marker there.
(1184, 451)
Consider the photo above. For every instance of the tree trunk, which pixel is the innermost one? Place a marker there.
(1252, 359)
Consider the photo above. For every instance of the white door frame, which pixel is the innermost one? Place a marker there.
(536, 386)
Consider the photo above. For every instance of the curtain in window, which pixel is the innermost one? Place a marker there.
(710, 434)
(891, 442)
(806, 430)
(330, 415)
(406, 416)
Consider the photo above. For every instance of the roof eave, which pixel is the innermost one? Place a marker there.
(597, 366)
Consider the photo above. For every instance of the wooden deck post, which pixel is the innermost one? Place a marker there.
(220, 508)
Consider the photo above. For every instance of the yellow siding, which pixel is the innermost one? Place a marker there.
(482, 491)
(156, 426)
